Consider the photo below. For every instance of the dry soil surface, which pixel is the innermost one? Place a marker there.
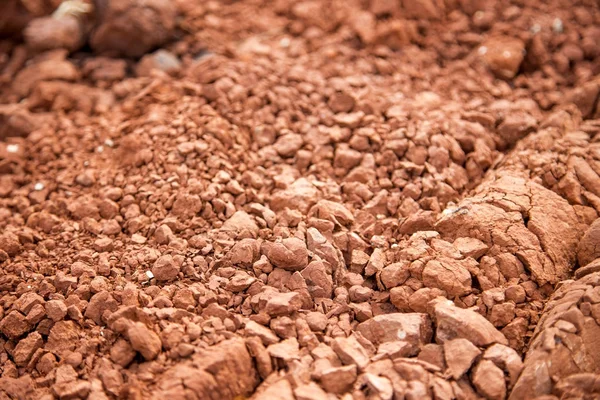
(298, 200)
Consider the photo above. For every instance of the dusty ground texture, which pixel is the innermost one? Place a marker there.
(364, 199)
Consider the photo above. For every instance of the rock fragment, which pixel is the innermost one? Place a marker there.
(283, 304)
(53, 68)
(131, 28)
(503, 55)
(144, 341)
(287, 145)
(460, 355)
(489, 380)
(506, 358)
(310, 391)
(300, 195)
(350, 351)
(413, 328)
(56, 310)
(239, 222)
(48, 33)
(161, 60)
(166, 268)
(99, 304)
(280, 390)
(290, 254)
(77, 389)
(122, 353)
(14, 325)
(27, 347)
(186, 205)
(261, 356)
(428, 9)
(453, 322)
(265, 334)
(449, 276)
(338, 380)
(63, 338)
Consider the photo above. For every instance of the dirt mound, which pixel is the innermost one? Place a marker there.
(299, 200)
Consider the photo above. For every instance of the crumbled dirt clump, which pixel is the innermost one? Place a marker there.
(299, 199)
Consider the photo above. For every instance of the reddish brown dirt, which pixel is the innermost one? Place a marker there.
(365, 199)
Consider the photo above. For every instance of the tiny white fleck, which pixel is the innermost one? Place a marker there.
(100, 149)
(285, 42)
(457, 210)
(12, 148)
(109, 142)
(506, 54)
(482, 50)
(535, 28)
(401, 335)
(557, 25)
(394, 245)
(86, 163)
(28, 286)
(39, 186)
(149, 274)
